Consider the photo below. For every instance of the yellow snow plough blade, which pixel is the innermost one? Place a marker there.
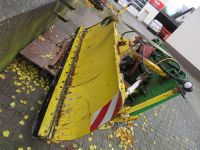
(89, 91)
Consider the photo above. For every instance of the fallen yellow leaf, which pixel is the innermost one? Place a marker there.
(93, 147)
(18, 91)
(23, 88)
(125, 136)
(20, 148)
(12, 104)
(33, 89)
(110, 136)
(17, 83)
(155, 113)
(89, 139)
(75, 146)
(32, 108)
(23, 102)
(28, 91)
(39, 102)
(21, 122)
(20, 136)
(41, 38)
(13, 96)
(110, 145)
(6, 133)
(2, 76)
(26, 117)
(28, 148)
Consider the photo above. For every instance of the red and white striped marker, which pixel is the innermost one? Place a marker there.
(106, 113)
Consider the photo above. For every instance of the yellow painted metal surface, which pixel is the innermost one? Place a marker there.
(150, 65)
(48, 121)
(151, 101)
(125, 119)
(95, 81)
(126, 49)
(125, 46)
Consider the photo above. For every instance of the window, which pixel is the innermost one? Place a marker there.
(139, 4)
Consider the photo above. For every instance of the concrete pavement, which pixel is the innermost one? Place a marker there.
(173, 125)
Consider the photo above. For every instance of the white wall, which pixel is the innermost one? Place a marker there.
(123, 3)
(152, 12)
(133, 11)
(186, 39)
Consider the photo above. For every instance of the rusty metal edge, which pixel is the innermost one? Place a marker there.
(45, 104)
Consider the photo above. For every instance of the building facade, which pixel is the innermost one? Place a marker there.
(144, 10)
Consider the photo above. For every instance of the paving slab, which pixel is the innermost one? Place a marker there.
(170, 126)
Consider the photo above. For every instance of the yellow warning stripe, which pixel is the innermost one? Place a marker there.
(150, 101)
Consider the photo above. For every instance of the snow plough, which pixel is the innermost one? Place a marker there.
(105, 77)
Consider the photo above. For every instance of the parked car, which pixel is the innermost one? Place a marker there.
(155, 26)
